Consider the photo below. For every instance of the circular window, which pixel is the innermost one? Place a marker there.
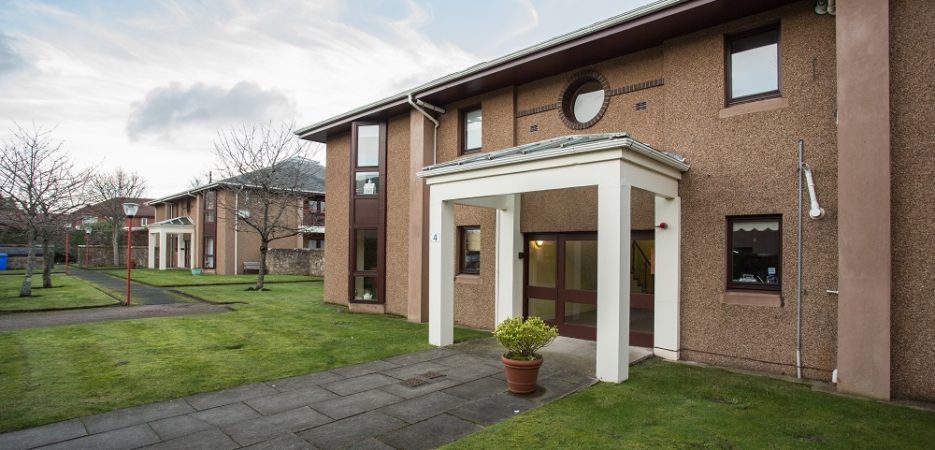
(584, 100)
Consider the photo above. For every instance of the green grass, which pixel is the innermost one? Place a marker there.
(174, 278)
(55, 373)
(21, 272)
(666, 405)
(67, 292)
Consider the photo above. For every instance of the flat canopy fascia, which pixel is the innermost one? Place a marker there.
(639, 29)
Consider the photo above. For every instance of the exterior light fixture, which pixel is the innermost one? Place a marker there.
(130, 209)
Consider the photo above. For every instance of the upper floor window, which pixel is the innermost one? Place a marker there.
(584, 100)
(368, 145)
(754, 258)
(368, 151)
(753, 65)
(471, 129)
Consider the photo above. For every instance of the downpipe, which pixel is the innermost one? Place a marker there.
(815, 212)
(418, 105)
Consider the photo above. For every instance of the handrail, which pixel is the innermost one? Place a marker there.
(644, 259)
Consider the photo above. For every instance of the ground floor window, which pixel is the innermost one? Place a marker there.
(209, 253)
(754, 252)
(469, 254)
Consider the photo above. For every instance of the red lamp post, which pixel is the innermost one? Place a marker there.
(130, 210)
(67, 234)
(87, 240)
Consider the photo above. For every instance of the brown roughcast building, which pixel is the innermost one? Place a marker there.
(746, 184)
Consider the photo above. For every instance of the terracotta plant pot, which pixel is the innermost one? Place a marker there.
(521, 376)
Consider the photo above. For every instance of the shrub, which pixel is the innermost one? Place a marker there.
(524, 338)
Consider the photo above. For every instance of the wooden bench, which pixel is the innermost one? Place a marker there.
(253, 266)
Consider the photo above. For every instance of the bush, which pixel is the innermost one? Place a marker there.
(524, 338)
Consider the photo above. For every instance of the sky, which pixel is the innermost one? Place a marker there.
(146, 86)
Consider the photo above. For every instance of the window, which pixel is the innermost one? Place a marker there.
(584, 100)
(469, 253)
(368, 146)
(144, 221)
(471, 130)
(753, 65)
(367, 219)
(754, 259)
(209, 253)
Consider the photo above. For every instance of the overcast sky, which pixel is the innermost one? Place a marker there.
(146, 85)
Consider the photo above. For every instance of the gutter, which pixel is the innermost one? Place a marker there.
(418, 105)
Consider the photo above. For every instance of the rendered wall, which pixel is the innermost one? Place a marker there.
(337, 172)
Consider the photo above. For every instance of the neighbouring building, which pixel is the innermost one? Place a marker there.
(202, 227)
(639, 182)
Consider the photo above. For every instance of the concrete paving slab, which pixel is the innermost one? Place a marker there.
(299, 419)
(44, 435)
(304, 381)
(359, 384)
(478, 389)
(290, 400)
(417, 357)
(347, 432)
(414, 370)
(363, 369)
(436, 384)
(553, 388)
(126, 417)
(211, 439)
(372, 444)
(421, 408)
(432, 433)
(490, 410)
(123, 438)
(342, 407)
(253, 431)
(468, 373)
(227, 414)
(178, 426)
(287, 441)
(459, 360)
(214, 399)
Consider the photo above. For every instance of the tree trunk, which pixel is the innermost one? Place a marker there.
(49, 254)
(261, 274)
(25, 289)
(116, 243)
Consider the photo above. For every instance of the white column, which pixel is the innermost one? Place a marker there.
(509, 302)
(180, 256)
(613, 280)
(151, 255)
(191, 250)
(441, 273)
(162, 250)
(668, 243)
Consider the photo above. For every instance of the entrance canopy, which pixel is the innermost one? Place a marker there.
(613, 162)
(179, 226)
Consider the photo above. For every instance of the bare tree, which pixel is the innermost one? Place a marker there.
(109, 192)
(267, 170)
(200, 180)
(43, 185)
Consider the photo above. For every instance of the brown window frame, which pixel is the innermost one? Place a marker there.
(375, 206)
(462, 270)
(728, 40)
(462, 118)
(734, 287)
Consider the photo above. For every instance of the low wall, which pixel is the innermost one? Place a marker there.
(103, 256)
(296, 261)
(19, 262)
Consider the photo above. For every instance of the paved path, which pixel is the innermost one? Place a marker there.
(140, 294)
(18, 321)
(414, 401)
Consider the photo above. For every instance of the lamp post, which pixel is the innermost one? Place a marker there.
(67, 234)
(130, 210)
(87, 239)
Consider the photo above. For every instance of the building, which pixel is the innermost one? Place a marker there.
(202, 227)
(639, 182)
(104, 210)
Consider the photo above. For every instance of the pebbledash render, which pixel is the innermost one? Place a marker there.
(639, 182)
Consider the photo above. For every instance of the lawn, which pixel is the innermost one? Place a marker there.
(67, 292)
(668, 405)
(176, 278)
(54, 373)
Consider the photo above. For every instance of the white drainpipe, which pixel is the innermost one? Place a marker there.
(815, 211)
(418, 105)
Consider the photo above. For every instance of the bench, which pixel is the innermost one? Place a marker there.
(253, 266)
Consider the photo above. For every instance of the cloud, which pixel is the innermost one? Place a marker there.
(172, 107)
(10, 60)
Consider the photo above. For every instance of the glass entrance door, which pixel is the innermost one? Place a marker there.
(561, 283)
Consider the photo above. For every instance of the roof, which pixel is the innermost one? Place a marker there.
(641, 28)
(309, 173)
(99, 209)
(182, 220)
(549, 148)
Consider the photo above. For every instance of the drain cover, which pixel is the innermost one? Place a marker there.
(413, 382)
(431, 375)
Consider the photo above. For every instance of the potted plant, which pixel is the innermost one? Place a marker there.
(196, 271)
(523, 339)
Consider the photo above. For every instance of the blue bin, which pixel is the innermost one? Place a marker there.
(3, 257)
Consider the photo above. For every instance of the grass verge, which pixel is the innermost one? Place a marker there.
(55, 373)
(179, 278)
(666, 405)
(67, 292)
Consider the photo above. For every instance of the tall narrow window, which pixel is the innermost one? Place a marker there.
(753, 65)
(469, 250)
(368, 215)
(209, 253)
(471, 130)
(754, 258)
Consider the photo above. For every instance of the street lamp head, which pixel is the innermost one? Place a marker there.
(130, 209)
